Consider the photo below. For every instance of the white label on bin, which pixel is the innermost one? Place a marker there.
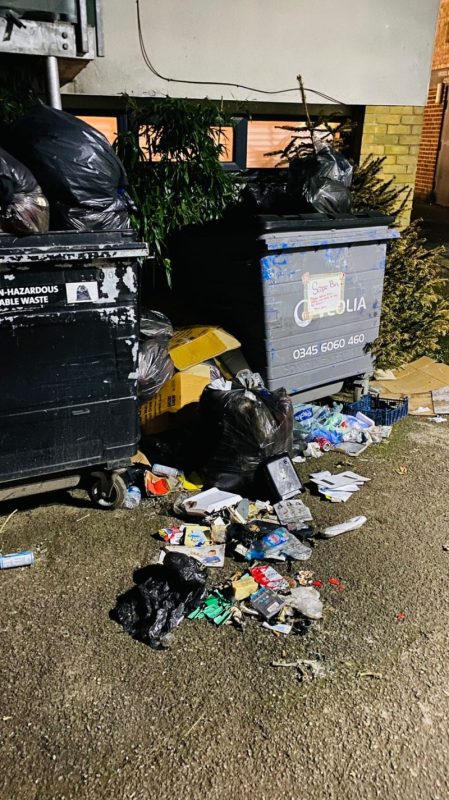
(82, 292)
(324, 294)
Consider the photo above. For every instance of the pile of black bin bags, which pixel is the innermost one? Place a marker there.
(56, 171)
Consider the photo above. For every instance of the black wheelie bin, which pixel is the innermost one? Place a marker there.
(69, 332)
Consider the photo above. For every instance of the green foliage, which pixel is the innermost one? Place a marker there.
(415, 313)
(171, 154)
(371, 192)
(415, 310)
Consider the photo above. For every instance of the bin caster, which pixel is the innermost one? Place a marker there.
(107, 490)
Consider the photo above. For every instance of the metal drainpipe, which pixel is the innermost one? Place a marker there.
(53, 87)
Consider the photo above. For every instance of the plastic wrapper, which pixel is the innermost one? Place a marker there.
(321, 182)
(83, 179)
(23, 207)
(155, 607)
(242, 428)
(155, 364)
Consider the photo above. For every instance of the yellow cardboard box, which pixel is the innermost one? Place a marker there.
(157, 414)
(190, 346)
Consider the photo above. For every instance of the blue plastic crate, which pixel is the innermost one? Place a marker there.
(382, 411)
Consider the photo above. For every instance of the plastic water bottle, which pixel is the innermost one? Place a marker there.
(133, 497)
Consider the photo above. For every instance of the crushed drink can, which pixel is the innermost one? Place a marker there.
(23, 559)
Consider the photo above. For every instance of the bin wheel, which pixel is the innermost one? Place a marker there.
(108, 491)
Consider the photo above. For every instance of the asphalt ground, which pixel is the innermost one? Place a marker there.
(86, 712)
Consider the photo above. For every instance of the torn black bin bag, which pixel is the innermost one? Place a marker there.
(242, 427)
(79, 172)
(156, 606)
(321, 182)
(23, 207)
(155, 364)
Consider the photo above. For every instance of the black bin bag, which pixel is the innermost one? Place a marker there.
(83, 179)
(321, 182)
(23, 208)
(243, 426)
(159, 601)
(155, 364)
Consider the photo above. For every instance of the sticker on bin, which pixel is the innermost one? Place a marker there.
(323, 294)
(82, 292)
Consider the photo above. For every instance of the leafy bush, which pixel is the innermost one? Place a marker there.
(415, 310)
(171, 153)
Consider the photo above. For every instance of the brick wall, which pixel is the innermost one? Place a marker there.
(395, 133)
(428, 151)
(433, 114)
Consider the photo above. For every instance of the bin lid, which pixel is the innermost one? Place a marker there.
(71, 246)
(279, 223)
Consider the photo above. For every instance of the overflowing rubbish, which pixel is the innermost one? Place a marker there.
(76, 167)
(11, 560)
(325, 427)
(23, 207)
(321, 182)
(244, 426)
(155, 365)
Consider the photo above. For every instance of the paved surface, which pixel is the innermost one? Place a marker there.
(85, 712)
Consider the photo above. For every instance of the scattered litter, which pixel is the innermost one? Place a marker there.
(377, 675)
(351, 525)
(306, 600)
(402, 470)
(338, 488)
(267, 576)
(23, 559)
(207, 555)
(304, 577)
(6, 718)
(400, 616)
(283, 482)
(293, 513)
(244, 587)
(438, 419)
(80, 519)
(267, 603)
(218, 531)
(195, 536)
(210, 501)
(133, 497)
(334, 581)
(446, 547)
(318, 584)
(278, 627)
(215, 607)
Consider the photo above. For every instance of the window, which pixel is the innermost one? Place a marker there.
(224, 135)
(266, 136)
(106, 125)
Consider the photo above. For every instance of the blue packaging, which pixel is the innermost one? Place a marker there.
(24, 559)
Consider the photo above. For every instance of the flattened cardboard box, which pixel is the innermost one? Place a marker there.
(191, 346)
(157, 414)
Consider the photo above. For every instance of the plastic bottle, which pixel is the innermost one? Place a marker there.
(133, 497)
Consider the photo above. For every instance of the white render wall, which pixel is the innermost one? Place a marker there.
(367, 52)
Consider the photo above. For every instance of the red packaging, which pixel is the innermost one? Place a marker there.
(267, 576)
